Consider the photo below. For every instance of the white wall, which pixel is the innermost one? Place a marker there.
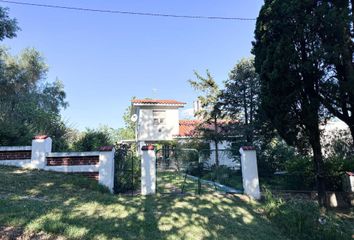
(19, 162)
(41, 149)
(147, 131)
(225, 157)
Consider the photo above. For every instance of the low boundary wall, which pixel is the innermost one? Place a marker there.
(98, 165)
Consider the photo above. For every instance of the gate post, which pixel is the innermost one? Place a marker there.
(106, 167)
(40, 146)
(250, 172)
(148, 170)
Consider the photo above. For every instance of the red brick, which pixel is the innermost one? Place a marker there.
(72, 161)
(15, 155)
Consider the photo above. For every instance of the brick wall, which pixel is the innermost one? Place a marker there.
(72, 160)
(15, 155)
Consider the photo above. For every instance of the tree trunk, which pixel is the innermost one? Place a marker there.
(216, 142)
(318, 164)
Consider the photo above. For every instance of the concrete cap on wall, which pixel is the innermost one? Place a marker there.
(148, 147)
(248, 148)
(105, 148)
(38, 137)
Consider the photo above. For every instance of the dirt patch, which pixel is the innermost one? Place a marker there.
(12, 233)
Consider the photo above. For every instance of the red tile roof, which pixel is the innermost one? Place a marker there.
(157, 101)
(188, 128)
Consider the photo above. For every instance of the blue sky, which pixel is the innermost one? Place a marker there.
(105, 59)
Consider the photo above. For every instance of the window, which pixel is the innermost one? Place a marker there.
(159, 116)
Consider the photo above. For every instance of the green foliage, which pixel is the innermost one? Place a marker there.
(240, 98)
(288, 95)
(287, 50)
(209, 100)
(334, 29)
(273, 156)
(128, 132)
(210, 111)
(300, 174)
(202, 146)
(92, 140)
(28, 105)
(300, 219)
(338, 143)
(9, 25)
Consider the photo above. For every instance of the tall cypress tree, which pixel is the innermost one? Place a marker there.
(287, 50)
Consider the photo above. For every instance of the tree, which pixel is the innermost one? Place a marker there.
(210, 112)
(240, 98)
(128, 131)
(287, 50)
(8, 25)
(29, 105)
(335, 27)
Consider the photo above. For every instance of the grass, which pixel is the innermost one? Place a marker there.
(76, 208)
(227, 177)
(173, 182)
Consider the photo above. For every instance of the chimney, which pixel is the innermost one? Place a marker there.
(197, 106)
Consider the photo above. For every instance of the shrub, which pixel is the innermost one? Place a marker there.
(92, 140)
(300, 174)
(303, 219)
(273, 156)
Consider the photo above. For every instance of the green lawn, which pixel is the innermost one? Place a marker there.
(73, 207)
(172, 182)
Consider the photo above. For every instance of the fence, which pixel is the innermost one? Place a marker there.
(176, 163)
(97, 165)
(127, 171)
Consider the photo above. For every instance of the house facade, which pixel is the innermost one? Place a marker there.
(158, 120)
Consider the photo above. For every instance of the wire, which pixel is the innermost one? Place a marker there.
(128, 12)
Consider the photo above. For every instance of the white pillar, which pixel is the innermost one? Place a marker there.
(40, 146)
(148, 170)
(106, 167)
(250, 172)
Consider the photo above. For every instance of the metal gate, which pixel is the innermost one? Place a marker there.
(172, 169)
(127, 171)
(192, 171)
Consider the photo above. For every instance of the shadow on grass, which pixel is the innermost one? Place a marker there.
(59, 204)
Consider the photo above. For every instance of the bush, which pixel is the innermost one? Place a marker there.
(300, 174)
(273, 157)
(303, 219)
(92, 140)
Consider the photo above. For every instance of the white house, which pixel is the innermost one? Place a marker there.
(158, 120)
